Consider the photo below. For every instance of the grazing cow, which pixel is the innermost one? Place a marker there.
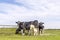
(20, 27)
(34, 27)
(41, 28)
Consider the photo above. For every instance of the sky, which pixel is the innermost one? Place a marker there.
(47, 11)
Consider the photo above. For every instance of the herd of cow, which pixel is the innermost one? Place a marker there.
(31, 26)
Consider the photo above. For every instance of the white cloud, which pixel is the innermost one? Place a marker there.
(34, 4)
(51, 7)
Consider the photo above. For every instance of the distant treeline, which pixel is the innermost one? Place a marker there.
(8, 26)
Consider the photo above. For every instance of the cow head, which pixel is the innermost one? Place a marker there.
(18, 22)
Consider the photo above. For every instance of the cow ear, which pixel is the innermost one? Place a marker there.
(16, 22)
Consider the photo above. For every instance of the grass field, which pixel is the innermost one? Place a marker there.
(9, 34)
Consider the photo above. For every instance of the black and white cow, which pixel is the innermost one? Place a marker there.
(20, 27)
(41, 27)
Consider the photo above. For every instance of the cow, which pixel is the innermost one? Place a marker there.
(20, 27)
(41, 28)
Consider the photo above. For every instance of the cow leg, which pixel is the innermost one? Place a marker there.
(17, 31)
(35, 31)
(29, 33)
(41, 31)
(22, 32)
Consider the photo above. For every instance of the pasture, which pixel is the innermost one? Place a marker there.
(9, 34)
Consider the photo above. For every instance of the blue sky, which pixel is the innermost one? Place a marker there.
(47, 11)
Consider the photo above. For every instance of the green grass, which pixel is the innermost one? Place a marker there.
(9, 34)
